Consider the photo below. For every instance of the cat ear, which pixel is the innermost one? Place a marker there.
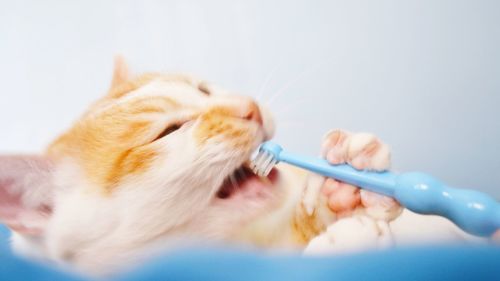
(121, 72)
(26, 187)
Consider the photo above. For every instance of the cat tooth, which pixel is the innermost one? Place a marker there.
(265, 180)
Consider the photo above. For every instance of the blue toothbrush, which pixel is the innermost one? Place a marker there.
(473, 211)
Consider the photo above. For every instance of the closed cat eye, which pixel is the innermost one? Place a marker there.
(203, 87)
(170, 129)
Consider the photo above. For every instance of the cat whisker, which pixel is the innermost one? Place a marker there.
(291, 82)
(266, 82)
(293, 124)
(293, 105)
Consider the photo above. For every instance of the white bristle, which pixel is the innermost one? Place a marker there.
(255, 160)
(269, 167)
(258, 162)
(254, 165)
(263, 163)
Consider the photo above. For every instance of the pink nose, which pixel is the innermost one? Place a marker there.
(253, 113)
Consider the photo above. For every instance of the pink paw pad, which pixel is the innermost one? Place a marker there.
(341, 196)
(333, 148)
(362, 151)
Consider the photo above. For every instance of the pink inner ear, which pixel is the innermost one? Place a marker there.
(22, 177)
(10, 203)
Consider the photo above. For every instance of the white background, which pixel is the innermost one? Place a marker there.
(423, 75)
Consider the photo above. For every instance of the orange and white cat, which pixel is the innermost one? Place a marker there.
(161, 160)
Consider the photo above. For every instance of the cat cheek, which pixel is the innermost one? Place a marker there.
(231, 133)
(130, 162)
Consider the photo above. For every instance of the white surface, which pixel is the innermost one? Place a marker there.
(423, 75)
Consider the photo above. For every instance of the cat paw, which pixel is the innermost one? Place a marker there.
(353, 234)
(364, 152)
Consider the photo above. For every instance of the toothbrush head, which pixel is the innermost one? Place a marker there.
(265, 159)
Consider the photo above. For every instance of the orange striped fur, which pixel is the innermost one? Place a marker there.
(114, 139)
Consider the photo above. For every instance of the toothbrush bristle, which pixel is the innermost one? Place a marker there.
(263, 163)
(269, 167)
(255, 161)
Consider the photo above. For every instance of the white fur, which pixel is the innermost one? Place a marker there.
(352, 234)
(175, 200)
(362, 232)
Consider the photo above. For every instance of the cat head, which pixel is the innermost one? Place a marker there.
(160, 157)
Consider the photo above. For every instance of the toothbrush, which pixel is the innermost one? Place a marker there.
(472, 211)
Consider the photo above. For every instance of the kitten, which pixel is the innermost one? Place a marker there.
(162, 159)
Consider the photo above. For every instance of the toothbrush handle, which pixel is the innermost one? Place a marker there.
(379, 182)
(473, 211)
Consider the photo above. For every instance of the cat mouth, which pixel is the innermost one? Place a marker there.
(243, 182)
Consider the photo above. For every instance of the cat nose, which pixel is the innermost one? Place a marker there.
(252, 113)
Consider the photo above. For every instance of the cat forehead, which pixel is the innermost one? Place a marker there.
(179, 91)
(162, 82)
